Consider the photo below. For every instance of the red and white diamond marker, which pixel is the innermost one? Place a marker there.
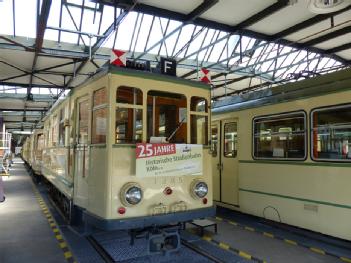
(118, 57)
(205, 76)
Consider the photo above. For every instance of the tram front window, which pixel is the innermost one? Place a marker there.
(167, 116)
(129, 115)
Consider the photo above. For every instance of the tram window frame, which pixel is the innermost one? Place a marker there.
(98, 107)
(276, 117)
(136, 105)
(195, 113)
(330, 108)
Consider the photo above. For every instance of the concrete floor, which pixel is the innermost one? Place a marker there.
(266, 248)
(25, 234)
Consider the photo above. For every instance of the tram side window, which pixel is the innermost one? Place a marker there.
(40, 145)
(230, 140)
(129, 115)
(331, 133)
(62, 129)
(167, 116)
(199, 120)
(214, 141)
(280, 136)
(99, 122)
(83, 122)
(54, 127)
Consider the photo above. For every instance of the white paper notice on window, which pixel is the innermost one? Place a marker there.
(100, 126)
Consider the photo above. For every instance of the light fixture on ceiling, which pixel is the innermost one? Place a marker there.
(327, 6)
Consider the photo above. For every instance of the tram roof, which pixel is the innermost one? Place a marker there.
(48, 47)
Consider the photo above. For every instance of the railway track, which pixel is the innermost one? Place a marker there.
(106, 256)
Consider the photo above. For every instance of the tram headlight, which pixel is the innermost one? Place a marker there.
(131, 194)
(199, 189)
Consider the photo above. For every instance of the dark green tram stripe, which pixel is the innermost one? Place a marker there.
(297, 163)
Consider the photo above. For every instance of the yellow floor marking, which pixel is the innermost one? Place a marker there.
(291, 242)
(63, 245)
(68, 254)
(56, 230)
(317, 250)
(244, 255)
(223, 245)
(219, 218)
(250, 229)
(345, 259)
(268, 234)
(207, 238)
(59, 237)
(233, 223)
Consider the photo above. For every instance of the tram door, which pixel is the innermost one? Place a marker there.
(82, 152)
(225, 165)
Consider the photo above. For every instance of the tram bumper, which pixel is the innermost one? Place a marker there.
(147, 221)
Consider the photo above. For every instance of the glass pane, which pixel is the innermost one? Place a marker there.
(129, 95)
(99, 126)
(83, 122)
(40, 146)
(54, 130)
(331, 133)
(129, 125)
(100, 97)
(198, 104)
(214, 141)
(62, 128)
(280, 137)
(199, 129)
(167, 116)
(230, 140)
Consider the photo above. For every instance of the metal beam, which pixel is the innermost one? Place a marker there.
(117, 21)
(338, 48)
(280, 4)
(41, 26)
(326, 37)
(307, 23)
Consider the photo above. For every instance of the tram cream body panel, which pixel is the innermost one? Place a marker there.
(266, 187)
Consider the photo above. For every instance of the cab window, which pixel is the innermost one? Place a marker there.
(99, 122)
(129, 115)
(199, 120)
(167, 116)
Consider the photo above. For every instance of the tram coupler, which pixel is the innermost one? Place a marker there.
(163, 240)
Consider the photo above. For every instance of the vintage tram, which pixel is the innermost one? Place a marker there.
(130, 149)
(285, 153)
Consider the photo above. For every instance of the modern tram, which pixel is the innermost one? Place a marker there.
(129, 149)
(285, 154)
